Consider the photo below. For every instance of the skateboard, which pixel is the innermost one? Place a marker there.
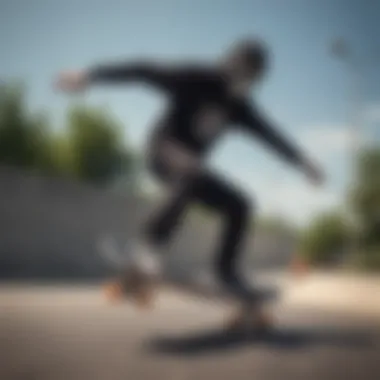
(126, 287)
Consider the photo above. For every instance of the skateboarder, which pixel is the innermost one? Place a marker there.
(204, 102)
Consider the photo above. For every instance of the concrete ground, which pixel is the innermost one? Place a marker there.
(69, 333)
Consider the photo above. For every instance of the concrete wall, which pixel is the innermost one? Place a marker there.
(49, 228)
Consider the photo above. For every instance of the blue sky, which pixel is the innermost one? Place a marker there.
(306, 93)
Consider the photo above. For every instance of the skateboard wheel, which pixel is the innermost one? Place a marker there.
(113, 291)
(144, 298)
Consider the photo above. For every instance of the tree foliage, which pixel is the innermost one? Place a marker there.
(365, 197)
(16, 130)
(97, 145)
(90, 148)
(325, 238)
(365, 200)
(329, 234)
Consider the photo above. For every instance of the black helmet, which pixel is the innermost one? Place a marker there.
(252, 53)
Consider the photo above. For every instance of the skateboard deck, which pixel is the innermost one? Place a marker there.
(111, 254)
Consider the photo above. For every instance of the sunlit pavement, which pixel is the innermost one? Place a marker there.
(71, 333)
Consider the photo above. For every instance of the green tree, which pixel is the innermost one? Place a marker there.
(26, 138)
(365, 200)
(90, 148)
(365, 197)
(15, 127)
(62, 156)
(41, 140)
(98, 151)
(324, 240)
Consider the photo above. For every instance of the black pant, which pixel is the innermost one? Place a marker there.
(208, 189)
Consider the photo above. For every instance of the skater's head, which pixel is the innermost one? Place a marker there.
(246, 63)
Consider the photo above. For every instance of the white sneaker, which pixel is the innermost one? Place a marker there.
(141, 275)
(145, 260)
(141, 270)
(137, 255)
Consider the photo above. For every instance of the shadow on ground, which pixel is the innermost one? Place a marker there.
(211, 341)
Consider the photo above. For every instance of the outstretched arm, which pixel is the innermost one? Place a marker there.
(128, 72)
(150, 73)
(259, 126)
